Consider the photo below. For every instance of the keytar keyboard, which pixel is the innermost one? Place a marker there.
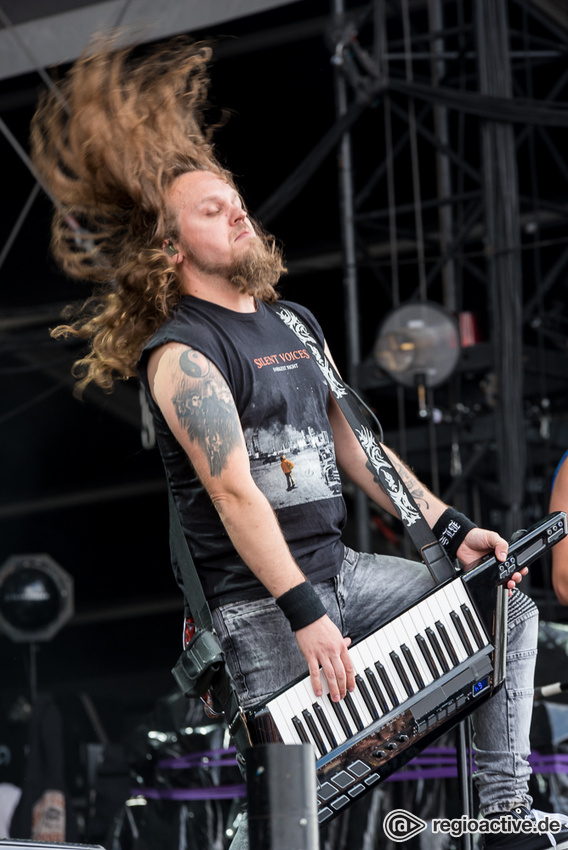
(416, 677)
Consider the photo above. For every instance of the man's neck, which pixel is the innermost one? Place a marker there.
(219, 290)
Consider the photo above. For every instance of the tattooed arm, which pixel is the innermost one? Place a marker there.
(200, 411)
(353, 461)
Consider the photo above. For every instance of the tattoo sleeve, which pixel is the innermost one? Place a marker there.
(414, 487)
(205, 409)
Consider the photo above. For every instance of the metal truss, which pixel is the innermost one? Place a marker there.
(453, 187)
(466, 205)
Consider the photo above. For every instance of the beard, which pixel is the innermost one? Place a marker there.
(255, 272)
(258, 270)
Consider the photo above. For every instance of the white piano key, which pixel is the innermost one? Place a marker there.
(295, 710)
(359, 665)
(475, 627)
(431, 609)
(343, 717)
(439, 610)
(378, 653)
(369, 698)
(406, 628)
(391, 636)
(449, 662)
(331, 717)
(452, 600)
(401, 640)
(461, 592)
(456, 600)
(369, 653)
(304, 697)
(282, 716)
(291, 707)
(330, 713)
(419, 626)
(463, 599)
(374, 683)
(391, 672)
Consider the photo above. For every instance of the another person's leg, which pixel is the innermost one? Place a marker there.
(502, 724)
(502, 740)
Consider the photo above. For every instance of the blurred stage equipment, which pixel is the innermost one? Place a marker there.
(549, 727)
(281, 793)
(36, 598)
(418, 345)
(11, 844)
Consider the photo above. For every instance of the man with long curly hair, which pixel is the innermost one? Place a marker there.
(184, 282)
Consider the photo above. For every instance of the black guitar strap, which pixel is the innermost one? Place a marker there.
(430, 549)
(201, 665)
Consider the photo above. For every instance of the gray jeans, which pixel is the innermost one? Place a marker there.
(263, 656)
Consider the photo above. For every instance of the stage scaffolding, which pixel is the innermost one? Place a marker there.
(463, 202)
(466, 205)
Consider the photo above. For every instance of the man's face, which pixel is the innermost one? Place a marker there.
(214, 231)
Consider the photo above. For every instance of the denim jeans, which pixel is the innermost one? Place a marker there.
(263, 656)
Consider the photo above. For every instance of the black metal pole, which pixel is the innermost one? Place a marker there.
(503, 263)
(281, 795)
(350, 278)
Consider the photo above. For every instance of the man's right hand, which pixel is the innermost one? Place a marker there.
(323, 645)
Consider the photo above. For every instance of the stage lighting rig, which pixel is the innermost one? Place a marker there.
(36, 598)
(418, 345)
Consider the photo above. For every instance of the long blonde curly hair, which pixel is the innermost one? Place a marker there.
(108, 142)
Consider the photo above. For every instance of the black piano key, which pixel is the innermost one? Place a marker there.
(425, 650)
(376, 688)
(447, 641)
(473, 626)
(398, 665)
(324, 723)
(311, 724)
(461, 632)
(413, 666)
(385, 679)
(340, 714)
(367, 698)
(299, 727)
(437, 649)
(352, 709)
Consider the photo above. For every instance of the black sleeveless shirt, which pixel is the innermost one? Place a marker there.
(281, 398)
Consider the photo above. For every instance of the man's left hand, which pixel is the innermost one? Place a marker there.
(480, 542)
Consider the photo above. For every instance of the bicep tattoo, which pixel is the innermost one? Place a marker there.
(205, 409)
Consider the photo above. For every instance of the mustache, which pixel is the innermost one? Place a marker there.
(245, 229)
(258, 271)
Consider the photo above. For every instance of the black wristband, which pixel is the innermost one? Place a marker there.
(301, 605)
(451, 529)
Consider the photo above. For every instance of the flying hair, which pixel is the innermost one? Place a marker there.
(108, 142)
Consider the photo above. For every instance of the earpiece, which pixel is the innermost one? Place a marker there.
(171, 249)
